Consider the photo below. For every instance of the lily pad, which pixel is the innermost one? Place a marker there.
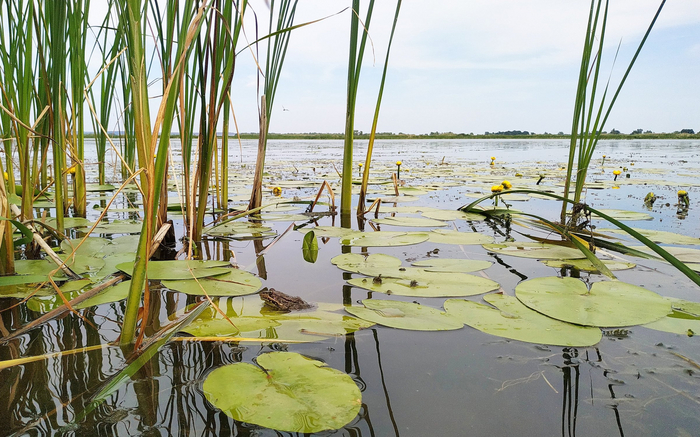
(254, 320)
(74, 289)
(449, 236)
(452, 265)
(585, 265)
(21, 279)
(663, 237)
(620, 214)
(82, 263)
(683, 320)
(179, 270)
(94, 188)
(384, 239)
(417, 222)
(611, 303)
(307, 395)
(234, 283)
(534, 250)
(354, 262)
(511, 319)
(69, 222)
(449, 215)
(420, 283)
(405, 315)
(119, 227)
(90, 246)
(235, 228)
(330, 231)
(685, 254)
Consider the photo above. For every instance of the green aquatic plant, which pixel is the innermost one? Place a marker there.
(591, 110)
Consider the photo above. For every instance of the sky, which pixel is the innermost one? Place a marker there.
(483, 65)
(476, 66)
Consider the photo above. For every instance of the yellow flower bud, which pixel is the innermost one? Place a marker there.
(277, 191)
(682, 193)
(617, 172)
(507, 185)
(398, 162)
(497, 188)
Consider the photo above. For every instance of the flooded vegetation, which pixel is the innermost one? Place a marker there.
(167, 281)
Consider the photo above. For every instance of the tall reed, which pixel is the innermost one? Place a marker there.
(281, 22)
(589, 115)
(354, 66)
(370, 145)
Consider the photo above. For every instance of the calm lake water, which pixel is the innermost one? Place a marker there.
(635, 382)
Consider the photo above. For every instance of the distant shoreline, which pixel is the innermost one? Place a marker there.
(449, 136)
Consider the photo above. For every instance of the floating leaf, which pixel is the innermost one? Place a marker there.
(684, 254)
(119, 227)
(449, 215)
(92, 246)
(21, 279)
(535, 250)
(69, 222)
(74, 289)
(236, 230)
(609, 304)
(418, 222)
(330, 231)
(586, 265)
(663, 237)
(287, 392)
(512, 319)
(309, 247)
(449, 236)
(82, 263)
(405, 315)
(385, 239)
(619, 214)
(420, 283)
(452, 265)
(354, 262)
(178, 270)
(255, 320)
(94, 188)
(234, 282)
(683, 320)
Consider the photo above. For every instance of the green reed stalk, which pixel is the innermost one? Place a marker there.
(370, 145)
(354, 66)
(215, 51)
(152, 151)
(78, 11)
(277, 43)
(589, 118)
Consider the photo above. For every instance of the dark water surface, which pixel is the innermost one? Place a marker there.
(635, 382)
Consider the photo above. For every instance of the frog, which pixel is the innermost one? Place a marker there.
(283, 302)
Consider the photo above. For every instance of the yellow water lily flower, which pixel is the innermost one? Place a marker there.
(616, 173)
(682, 193)
(398, 162)
(507, 185)
(71, 170)
(7, 177)
(277, 191)
(497, 188)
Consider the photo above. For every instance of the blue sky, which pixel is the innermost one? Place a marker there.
(477, 66)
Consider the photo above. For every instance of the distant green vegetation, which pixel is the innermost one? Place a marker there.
(452, 135)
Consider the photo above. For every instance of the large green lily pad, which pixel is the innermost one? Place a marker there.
(611, 303)
(452, 265)
(231, 229)
(234, 283)
(91, 246)
(685, 254)
(119, 227)
(354, 262)
(534, 250)
(253, 320)
(449, 215)
(585, 265)
(449, 236)
(405, 315)
(620, 214)
(415, 282)
(385, 239)
(74, 289)
(683, 320)
(286, 392)
(663, 237)
(178, 270)
(417, 222)
(511, 319)
(330, 231)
